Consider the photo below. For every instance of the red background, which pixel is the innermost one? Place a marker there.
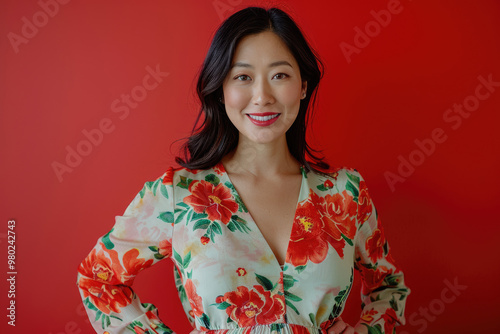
(440, 222)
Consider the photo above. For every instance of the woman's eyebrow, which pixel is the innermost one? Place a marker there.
(276, 63)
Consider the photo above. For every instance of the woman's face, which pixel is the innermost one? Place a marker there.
(264, 83)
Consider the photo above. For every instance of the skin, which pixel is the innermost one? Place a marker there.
(262, 153)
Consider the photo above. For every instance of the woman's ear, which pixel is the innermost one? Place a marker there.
(304, 89)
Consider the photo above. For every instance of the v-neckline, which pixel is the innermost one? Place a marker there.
(302, 181)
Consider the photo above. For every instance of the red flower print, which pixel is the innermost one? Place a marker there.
(169, 175)
(241, 271)
(298, 329)
(364, 203)
(218, 169)
(328, 184)
(391, 319)
(216, 201)
(307, 241)
(194, 299)
(133, 265)
(153, 317)
(320, 221)
(367, 316)
(334, 172)
(165, 248)
(139, 330)
(374, 245)
(102, 288)
(254, 307)
(372, 278)
(205, 240)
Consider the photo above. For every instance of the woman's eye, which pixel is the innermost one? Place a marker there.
(244, 76)
(283, 74)
(240, 76)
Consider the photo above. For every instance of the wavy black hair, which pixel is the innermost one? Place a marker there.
(217, 136)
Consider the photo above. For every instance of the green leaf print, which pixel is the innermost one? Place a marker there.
(300, 269)
(202, 224)
(322, 187)
(240, 224)
(177, 257)
(167, 216)
(349, 241)
(135, 323)
(391, 280)
(105, 240)
(179, 286)
(277, 327)
(290, 305)
(341, 298)
(163, 190)
(352, 188)
(205, 321)
(355, 179)
(223, 305)
(90, 305)
(237, 198)
(213, 228)
(155, 186)
(292, 297)
(231, 226)
(288, 281)
(213, 179)
(393, 304)
(216, 227)
(187, 260)
(312, 318)
(264, 281)
(304, 174)
(197, 215)
(180, 216)
(184, 182)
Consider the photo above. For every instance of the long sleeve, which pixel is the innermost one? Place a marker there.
(140, 238)
(383, 291)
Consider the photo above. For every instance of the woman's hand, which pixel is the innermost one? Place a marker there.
(340, 327)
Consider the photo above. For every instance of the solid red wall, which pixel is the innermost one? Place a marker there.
(381, 96)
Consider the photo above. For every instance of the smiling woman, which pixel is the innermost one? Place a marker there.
(263, 240)
(270, 94)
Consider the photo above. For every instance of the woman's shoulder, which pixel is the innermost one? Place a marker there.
(340, 176)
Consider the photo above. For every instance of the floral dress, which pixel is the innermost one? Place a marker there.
(228, 278)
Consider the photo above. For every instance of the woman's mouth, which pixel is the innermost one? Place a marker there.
(263, 119)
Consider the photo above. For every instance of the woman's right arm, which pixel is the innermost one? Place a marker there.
(141, 237)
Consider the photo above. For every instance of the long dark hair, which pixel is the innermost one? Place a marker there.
(217, 136)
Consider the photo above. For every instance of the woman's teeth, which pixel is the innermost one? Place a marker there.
(263, 118)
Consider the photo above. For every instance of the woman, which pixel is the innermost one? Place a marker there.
(262, 240)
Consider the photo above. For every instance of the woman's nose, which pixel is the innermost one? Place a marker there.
(262, 94)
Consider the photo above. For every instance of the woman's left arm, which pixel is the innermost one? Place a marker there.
(383, 290)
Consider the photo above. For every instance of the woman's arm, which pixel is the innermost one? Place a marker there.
(141, 237)
(383, 291)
